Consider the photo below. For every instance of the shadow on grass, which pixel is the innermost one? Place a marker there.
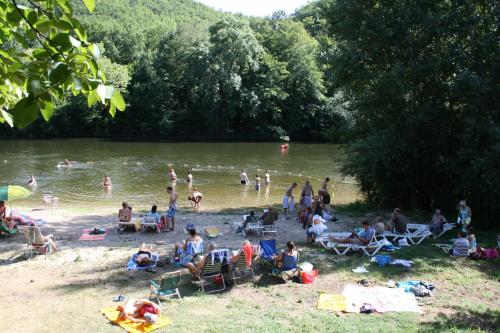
(464, 319)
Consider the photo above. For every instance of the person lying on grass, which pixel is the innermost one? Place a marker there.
(139, 311)
(363, 238)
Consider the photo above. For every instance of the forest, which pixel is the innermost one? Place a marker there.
(411, 87)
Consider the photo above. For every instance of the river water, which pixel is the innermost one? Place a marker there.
(139, 171)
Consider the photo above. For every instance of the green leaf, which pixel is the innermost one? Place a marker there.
(61, 25)
(90, 4)
(95, 51)
(101, 92)
(35, 87)
(46, 108)
(7, 117)
(110, 90)
(118, 100)
(14, 17)
(77, 83)
(25, 112)
(65, 6)
(112, 110)
(92, 98)
(62, 40)
(59, 73)
(75, 42)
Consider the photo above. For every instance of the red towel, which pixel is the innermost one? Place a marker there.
(248, 251)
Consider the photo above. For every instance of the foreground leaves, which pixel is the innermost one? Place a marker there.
(44, 55)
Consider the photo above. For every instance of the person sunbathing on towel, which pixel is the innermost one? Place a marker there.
(143, 257)
(363, 238)
(139, 311)
(291, 251)
(125, 214)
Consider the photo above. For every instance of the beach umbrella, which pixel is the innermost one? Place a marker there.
(12, 192)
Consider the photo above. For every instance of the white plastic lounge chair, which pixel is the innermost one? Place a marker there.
(415, 237)
(370, 249)
(324, 238)
(414, 226)
(149, 222)
(256, 227)
(36, 242)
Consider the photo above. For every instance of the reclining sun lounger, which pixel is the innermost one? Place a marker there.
(414, 237)
(370, 249)
(414, 226)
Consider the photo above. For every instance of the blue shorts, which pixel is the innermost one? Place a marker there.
(171, 211)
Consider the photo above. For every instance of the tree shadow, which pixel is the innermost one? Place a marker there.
(466, 319)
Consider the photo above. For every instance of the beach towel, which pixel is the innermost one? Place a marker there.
(331, 302)
(248, 251)
(112, 314)
(24, 219)
(382, 299)
(88, 237)
(212, 232)
(133, 266)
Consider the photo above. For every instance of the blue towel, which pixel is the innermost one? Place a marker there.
(407, 285)
(132, 264)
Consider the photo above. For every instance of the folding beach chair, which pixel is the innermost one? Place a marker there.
(289, 267)
(242, 267)
(166, 288)
(267, 251)
(36, 242)
(212, 275)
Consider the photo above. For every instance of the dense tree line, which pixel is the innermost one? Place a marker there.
(420, 82)
(189, 72)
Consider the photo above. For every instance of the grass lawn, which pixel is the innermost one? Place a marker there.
(65, 292)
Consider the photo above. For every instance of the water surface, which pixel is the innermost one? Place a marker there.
(139, 170)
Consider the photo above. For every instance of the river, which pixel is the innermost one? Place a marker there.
(139, 171)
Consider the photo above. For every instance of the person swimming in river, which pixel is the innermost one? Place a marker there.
(32, 181)
(106, 181)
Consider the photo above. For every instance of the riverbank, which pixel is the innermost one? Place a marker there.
(65, 292)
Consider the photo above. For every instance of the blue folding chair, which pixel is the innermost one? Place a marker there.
(267, 251)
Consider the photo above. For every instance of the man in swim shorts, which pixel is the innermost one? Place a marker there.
(288, 203)
(243, 178)
(172, 208)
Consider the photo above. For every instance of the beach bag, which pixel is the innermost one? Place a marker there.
(489, 253)
(308, 277)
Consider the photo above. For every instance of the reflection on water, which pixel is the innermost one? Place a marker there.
(139, 170)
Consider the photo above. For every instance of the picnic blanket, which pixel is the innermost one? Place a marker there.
(132, 264)
(381, 298)
(112, 314)
(88, 237)
(331, 302)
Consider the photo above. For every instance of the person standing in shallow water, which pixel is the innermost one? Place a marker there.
(244, 178)
(267, 178)
(257, 183)
(169, 218)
